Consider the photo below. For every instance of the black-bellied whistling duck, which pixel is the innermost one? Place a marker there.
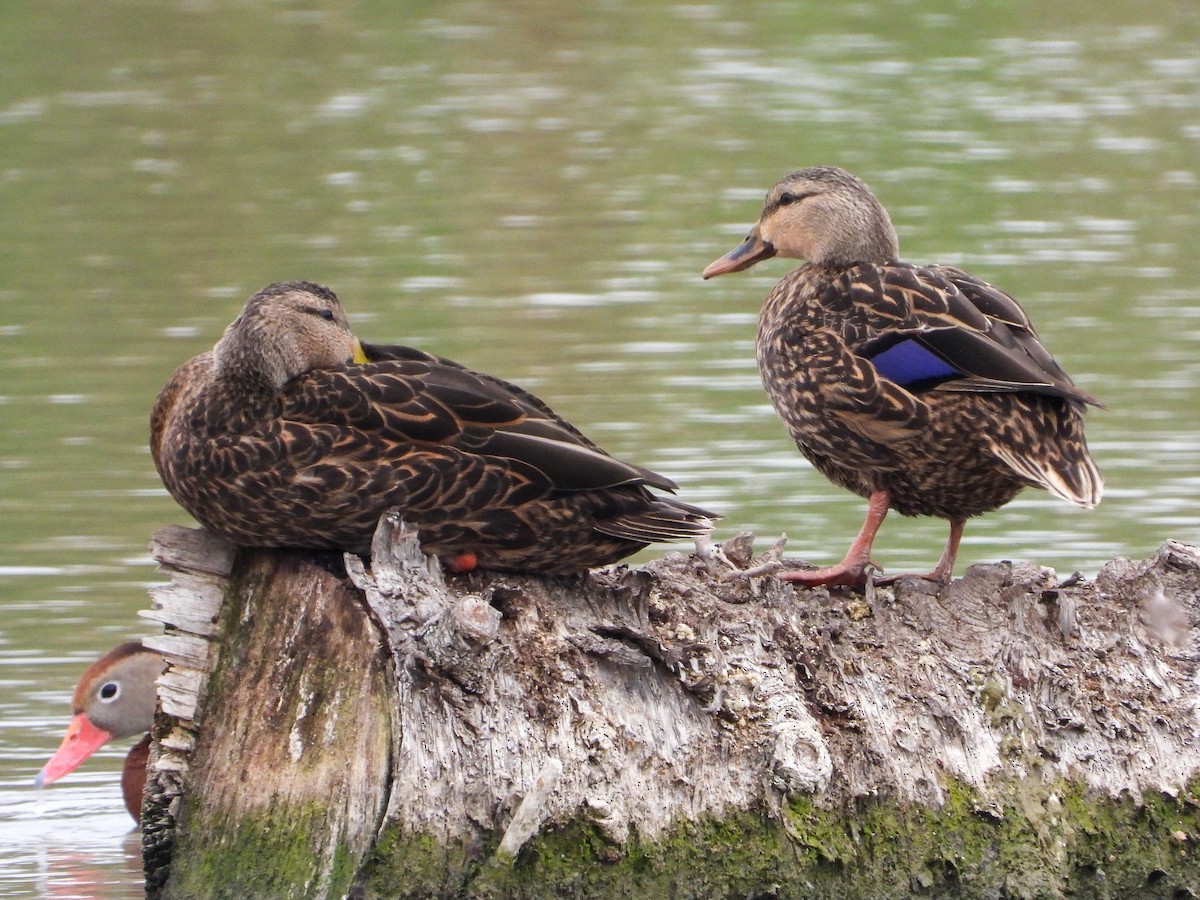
(115, 698)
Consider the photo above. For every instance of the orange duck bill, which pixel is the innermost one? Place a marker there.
(81, 741)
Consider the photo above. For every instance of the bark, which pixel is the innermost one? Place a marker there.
(692, 727)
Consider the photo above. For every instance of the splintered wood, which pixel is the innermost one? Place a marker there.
(692, 687)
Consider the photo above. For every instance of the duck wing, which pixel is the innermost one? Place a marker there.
(912, 330)
(380, 352)
(416, 400)
(939, 328)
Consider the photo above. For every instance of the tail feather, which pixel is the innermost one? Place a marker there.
(664, 520)
(1078, 481)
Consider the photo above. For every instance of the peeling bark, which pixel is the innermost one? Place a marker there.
(692, 725)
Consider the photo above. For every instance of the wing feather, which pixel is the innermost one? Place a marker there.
(411, 398)
(911, 318)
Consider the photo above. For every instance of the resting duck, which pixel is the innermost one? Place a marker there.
(290, 433)
(920, 388)
(115, 698)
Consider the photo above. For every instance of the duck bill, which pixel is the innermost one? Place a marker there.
(743, 256)
(360, 357)
(81, 741)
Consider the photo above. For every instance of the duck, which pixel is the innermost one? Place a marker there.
(114, 699)
(921, 388)
(292, 433)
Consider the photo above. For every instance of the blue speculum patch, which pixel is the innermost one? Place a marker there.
(908, 363)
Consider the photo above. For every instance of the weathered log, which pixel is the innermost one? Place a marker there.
(692, 727)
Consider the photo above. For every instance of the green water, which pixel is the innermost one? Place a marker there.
(532, 188)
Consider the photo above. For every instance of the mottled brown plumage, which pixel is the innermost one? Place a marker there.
(291, 434)
(919, 387)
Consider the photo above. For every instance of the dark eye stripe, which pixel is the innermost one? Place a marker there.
(787, 198)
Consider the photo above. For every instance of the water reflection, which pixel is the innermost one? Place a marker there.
(52, 851)
(533, 190)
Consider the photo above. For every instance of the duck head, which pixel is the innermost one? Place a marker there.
(823, 215)
(115, 698)
(286, 329)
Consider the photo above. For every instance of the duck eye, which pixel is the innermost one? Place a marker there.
(109, 691)
(787, 198)
(326, 314)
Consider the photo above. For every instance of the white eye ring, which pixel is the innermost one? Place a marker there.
(109, 691)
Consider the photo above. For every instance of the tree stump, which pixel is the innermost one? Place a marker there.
(692, 727)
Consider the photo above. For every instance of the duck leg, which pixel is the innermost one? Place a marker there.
(943, 572)
(852, 571)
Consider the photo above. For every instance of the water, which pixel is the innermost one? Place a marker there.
(533, 190)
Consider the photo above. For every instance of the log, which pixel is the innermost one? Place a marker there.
(692, 727)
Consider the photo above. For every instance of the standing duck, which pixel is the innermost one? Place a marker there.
(115, 698)
(290, 433)
(921, 388)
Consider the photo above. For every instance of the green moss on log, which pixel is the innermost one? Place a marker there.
(284, 759)
(273, 855)
(1046, 842)
(416, 865)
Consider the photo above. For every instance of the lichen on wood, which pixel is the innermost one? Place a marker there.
(284, 759)
(698, 726)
